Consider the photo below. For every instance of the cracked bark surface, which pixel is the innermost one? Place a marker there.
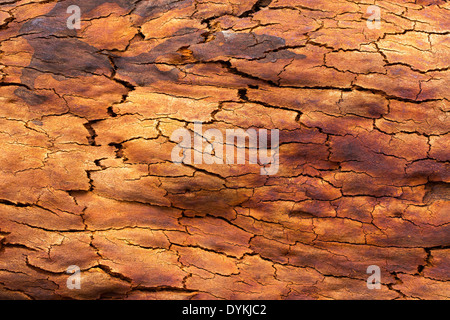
(87, 179)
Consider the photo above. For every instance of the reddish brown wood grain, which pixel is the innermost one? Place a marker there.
(86, 176)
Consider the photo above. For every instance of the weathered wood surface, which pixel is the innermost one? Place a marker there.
(86, 175)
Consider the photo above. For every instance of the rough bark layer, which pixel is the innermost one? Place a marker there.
(86, 176)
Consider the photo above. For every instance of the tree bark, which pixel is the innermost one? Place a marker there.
(89, 117)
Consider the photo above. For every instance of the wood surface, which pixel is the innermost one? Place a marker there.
(86, 177)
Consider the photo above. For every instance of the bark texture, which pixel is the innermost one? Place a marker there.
(86, 176)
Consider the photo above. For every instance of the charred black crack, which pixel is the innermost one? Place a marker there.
(242, 93)
(111, 112)
(119, 150)
(92, 133)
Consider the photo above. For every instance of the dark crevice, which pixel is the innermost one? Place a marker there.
(256, 7)
(92, 134)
